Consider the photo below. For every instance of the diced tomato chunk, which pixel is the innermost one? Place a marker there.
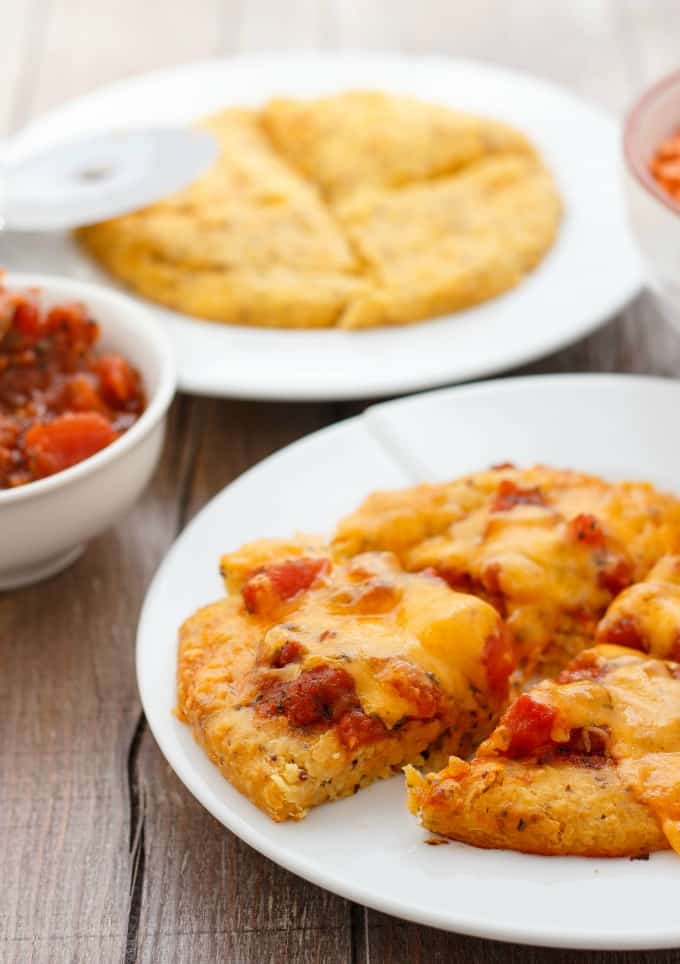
(586, 528)
(270, 585)
(509, 495)
(26, 316)
(290, 652)
(321, 693)
(80, 394)
(624, 631)
(355, 728)
(119, 381)
(68, 439)
(616, 575)
(499, 661)
(529, 724)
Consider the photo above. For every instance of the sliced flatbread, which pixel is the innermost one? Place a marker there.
(362, 141)
(312, 679)
(550, 548)
(433, 248)
(355, 210)
(586, 765)
(250, 242)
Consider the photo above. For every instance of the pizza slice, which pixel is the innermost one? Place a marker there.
(588, 764)
(549, 548)
(313, 678)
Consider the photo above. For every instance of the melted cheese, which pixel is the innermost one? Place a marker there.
(653, 608)
(550, 582)
(655, 781)
(367, 617)
(637, 700)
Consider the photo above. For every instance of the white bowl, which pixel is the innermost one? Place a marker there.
(44, 525)
(654, 215)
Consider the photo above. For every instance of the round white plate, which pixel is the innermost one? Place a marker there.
(368, 848)
(590, 273)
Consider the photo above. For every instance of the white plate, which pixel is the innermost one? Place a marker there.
(591, 272)
(368, 848)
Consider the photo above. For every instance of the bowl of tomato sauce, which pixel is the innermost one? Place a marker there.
(651, 145)
(86, 379)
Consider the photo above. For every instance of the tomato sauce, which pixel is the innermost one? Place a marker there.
(60, 399)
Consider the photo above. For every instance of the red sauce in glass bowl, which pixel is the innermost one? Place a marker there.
(61, 400)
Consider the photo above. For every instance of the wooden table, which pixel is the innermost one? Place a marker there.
(106, 857)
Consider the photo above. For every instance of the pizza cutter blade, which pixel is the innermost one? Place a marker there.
(100, 177)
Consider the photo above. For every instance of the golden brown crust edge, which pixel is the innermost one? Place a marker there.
(559, 810)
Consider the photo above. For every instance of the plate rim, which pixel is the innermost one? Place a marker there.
(544, 343)
(481, 927)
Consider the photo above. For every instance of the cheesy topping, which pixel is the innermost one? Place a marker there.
(549, 549)
(629, 707)
(647, 615)
(314, 642)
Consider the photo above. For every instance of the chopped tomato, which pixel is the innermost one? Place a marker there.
(586, 528)
(321, 693)
(529, 724)
(356, 729)
(290, 652)
(26, 318)
(80, 394)
(499, 661)
(268, 586)
(624, 631)
(616, 575)
(119, 381)
(509, 495)
(48, 370)
(57, 445)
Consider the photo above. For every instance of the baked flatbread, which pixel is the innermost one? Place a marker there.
(585, 765)
(311, 678)
(352, 211)
(250, 242)
(549, 548)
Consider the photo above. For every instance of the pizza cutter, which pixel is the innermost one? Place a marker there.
(100, 176)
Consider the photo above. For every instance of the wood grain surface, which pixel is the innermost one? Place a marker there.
(105, 856)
